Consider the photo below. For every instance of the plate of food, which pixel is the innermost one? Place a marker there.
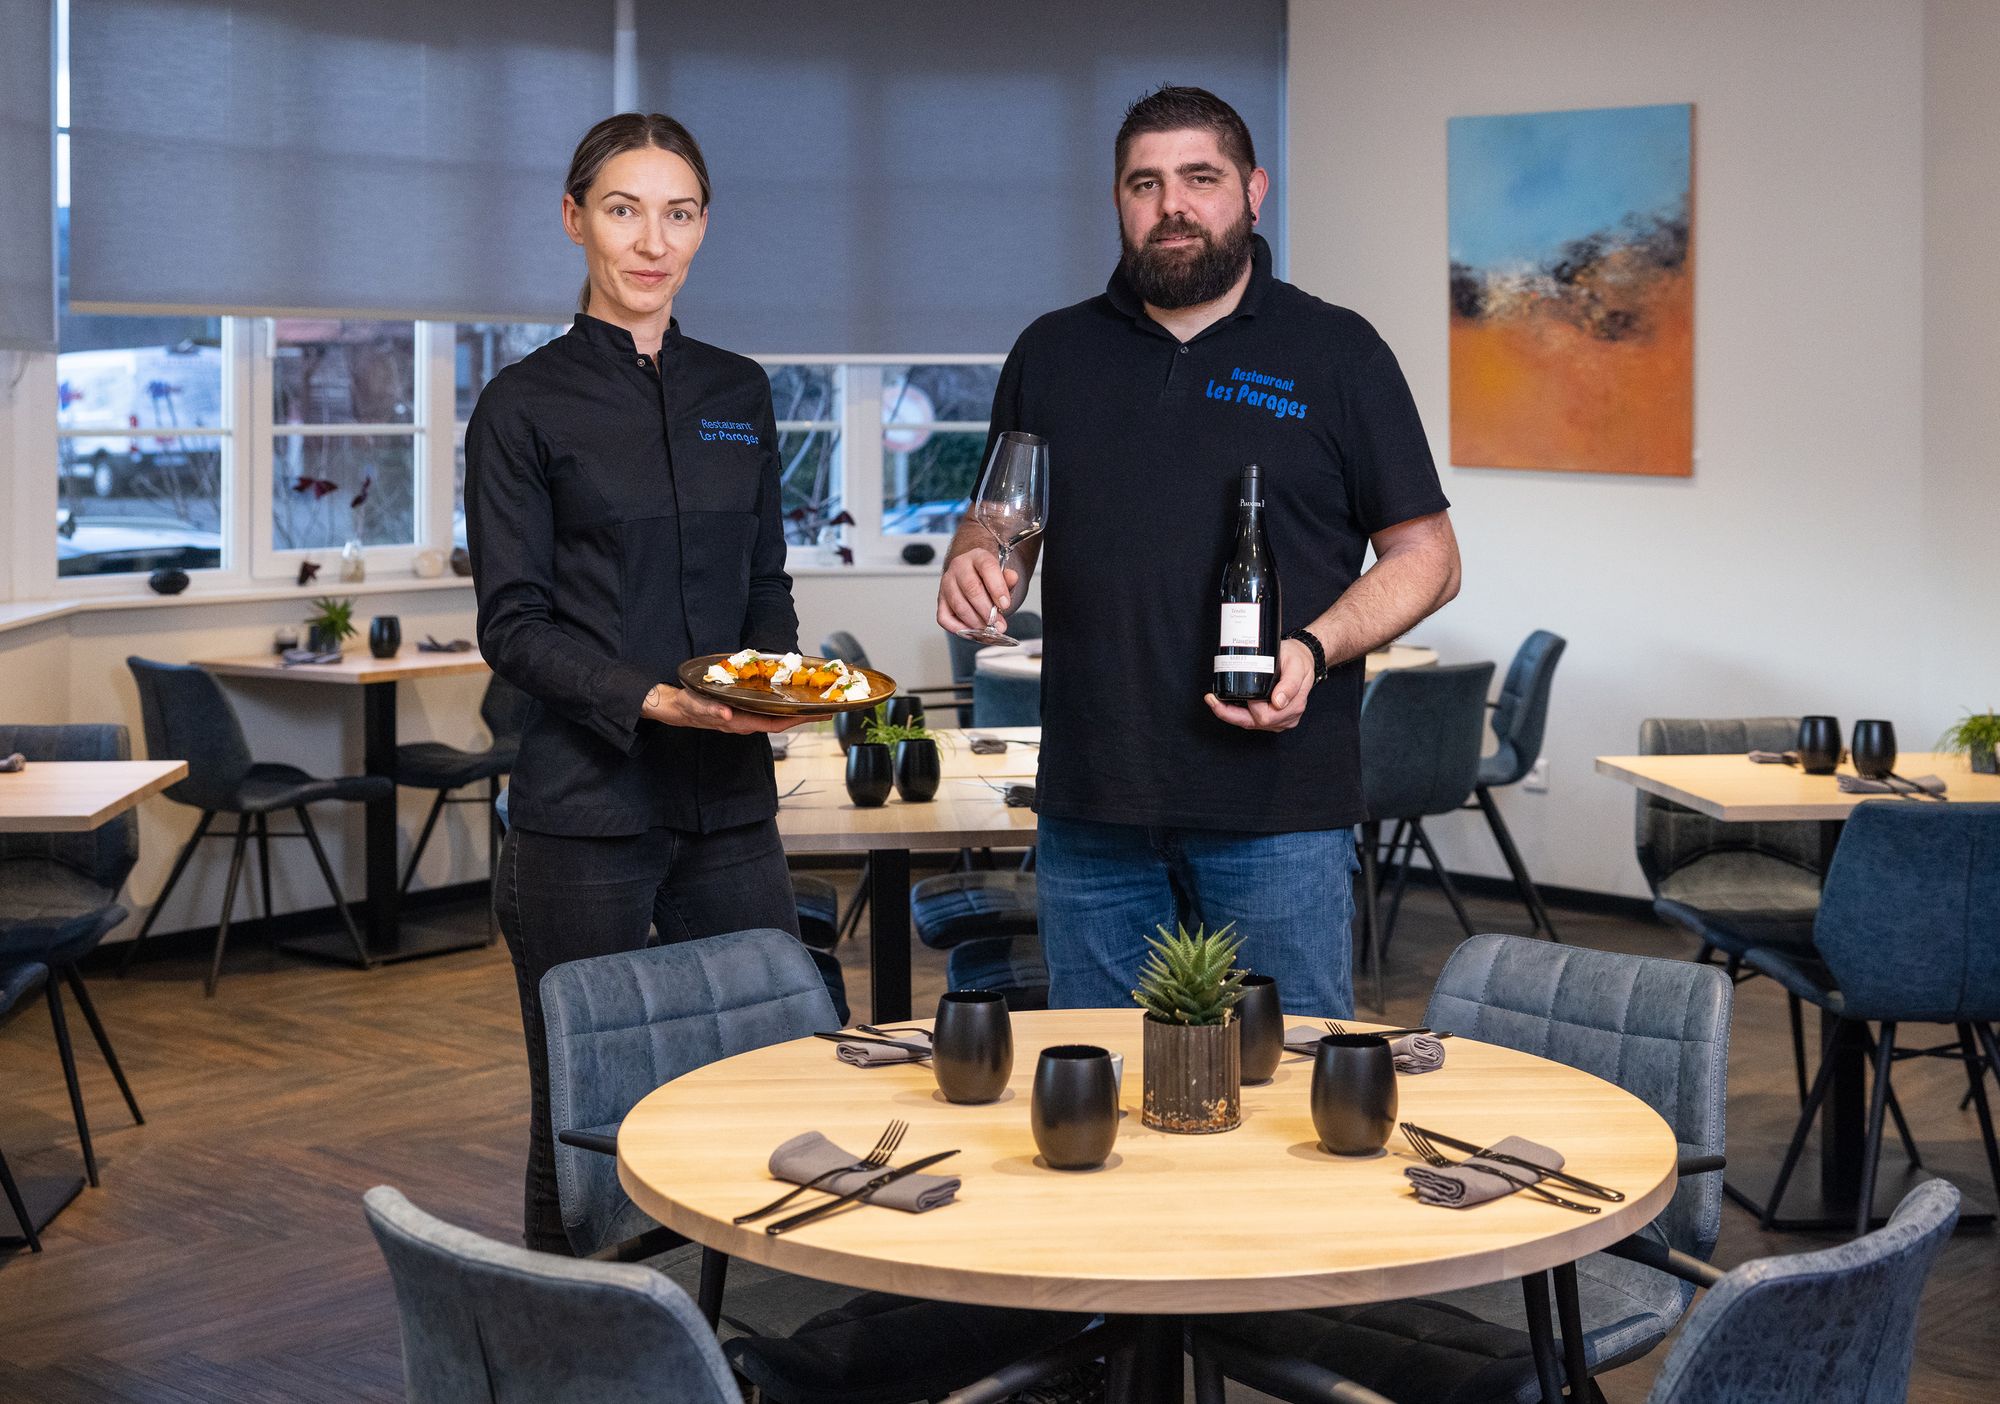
(785, 684)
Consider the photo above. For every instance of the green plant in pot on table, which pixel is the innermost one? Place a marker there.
(1978, 735)
(330, 624)
(916, 765)
(1189, 987)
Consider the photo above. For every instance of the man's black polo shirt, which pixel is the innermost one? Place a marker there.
(1147, 441)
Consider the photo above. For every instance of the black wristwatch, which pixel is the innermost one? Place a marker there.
(1311, 641)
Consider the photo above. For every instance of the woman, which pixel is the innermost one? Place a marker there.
(622, 509)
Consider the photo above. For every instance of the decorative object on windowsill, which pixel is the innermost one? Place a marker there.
(167, 581)
(919, 553)
(823, 531)
(353, 564)
(330, 624)
(428, 564)
(308, 571)
(385, 635)
(285, 639)
(918, 769)
(1189, 988)
(1978, 735)
(461, 561)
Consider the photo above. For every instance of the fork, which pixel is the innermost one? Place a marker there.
(892, 1136)
(1421, 1144)
(1340, 1030)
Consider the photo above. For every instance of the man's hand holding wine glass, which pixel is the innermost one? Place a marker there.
(1287, 703)
(975, 587)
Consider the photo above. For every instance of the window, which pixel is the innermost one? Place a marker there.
(933, 434)
(805, 401)
(480, 351)
(345, 452)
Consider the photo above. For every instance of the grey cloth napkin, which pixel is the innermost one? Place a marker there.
(1855, 785)
(1775, 757)
(809, 1155)
(868, 1055)
(1412, 1053)
(1462, 1186)
(10, 764)
(983, 745)
(292, 657)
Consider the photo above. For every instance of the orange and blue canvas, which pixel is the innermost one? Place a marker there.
(1572, 291)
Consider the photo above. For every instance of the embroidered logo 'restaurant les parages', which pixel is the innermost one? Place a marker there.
(734, 430)
(1256, 390)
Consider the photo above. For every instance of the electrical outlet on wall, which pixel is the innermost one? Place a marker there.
(1537, 778)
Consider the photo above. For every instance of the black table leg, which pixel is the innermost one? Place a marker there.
(889, 934)
(1151, 1371)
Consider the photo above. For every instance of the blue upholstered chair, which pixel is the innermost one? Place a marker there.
(59, 898)
(1908, 931)
(1657, 1028)
(620, 1026)
(188, 717)
(485, 1321)
(1421, 732)
(433, 765)
(1519, 718)
(19, 982)
(1023, 624)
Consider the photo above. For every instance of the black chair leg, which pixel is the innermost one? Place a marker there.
(1798, 1041)
(1444, 878)
(1902, 1126)
(714, 1274)
(1975, 1077)
(76, 987)
(1388, 854)
(264, 865)
(159, 903)
(1705, 955)
(333, 887)
(228, 902)
(1530, 897)
(1402, 865)
(1821, 1081)
(1209, 1385)
(423, 837)
(20, 1208)
(1371, 918)
(69, 1076)
(1878, 1103)
(851, 923)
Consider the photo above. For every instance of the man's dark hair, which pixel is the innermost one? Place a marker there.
(1170, 109)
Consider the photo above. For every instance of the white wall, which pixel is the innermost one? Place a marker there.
(1787, 575)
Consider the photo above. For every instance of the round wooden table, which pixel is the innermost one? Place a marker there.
(1256, 1219)
(1002, 661)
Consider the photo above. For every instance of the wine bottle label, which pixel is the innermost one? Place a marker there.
(1239, 626)
(1245, 663)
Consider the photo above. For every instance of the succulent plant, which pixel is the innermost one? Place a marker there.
(336, 617)
(1191, 979)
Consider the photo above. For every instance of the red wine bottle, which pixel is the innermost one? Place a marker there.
(1246, 653)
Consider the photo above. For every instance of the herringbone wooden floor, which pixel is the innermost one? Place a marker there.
(225, 1259)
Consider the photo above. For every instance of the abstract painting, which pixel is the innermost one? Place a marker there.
(1572, 291)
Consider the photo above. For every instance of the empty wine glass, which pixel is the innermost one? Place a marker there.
(1012, 505)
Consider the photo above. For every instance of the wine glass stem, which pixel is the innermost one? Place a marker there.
(993, 614)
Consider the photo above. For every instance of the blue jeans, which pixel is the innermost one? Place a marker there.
(1105, 887)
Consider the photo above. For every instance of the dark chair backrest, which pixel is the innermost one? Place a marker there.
(620, 1025)
(505, 710)
(844, 646)
(1421, 731)
(1522, 713)
(1909, 920)
(1670, 836)
(1833, 1327)
(1024, 624)
(1657, 1028)
(188, 717)
(106, 854)
(485, 1322)
(1006, 701)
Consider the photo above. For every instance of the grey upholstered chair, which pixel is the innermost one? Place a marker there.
(1519, 718)
(620, 1026)
(1657, 1028)
(1908, 930)
(1733, 886)
(433, 765)
(1022, 624)
(999, 700)
(19, 982)
(59, 899)
(188, 717)
(1833, 1327)
(985, 922)
(1421, 731)
(489, 1323)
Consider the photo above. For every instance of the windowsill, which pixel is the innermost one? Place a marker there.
(25, 612)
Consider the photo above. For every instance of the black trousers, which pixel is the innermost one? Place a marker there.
(561, 899)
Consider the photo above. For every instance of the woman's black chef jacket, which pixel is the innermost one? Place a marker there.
(623, 519)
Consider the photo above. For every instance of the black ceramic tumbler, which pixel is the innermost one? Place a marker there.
(1261, 1024)
(918, 769)
(385, 635)
(1873, 749)
(850, 727)
(905, 711)
(972, 1046)
(1353, 1093)
(1075, 1110)
(870, 774)
(1819, 745)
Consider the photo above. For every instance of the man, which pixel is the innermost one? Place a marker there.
(1160, 804)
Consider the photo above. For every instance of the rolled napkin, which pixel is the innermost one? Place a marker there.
(1412, 1053)
(292, 657)
(12, 763)
(431, 645)
(1476, 1181)
(1775, 757)
(910, 1048)
(1856, 785)
(808, 1155)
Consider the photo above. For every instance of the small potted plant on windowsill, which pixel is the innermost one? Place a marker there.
(918, 768)
(1189, 987)
(330, 624)
(1978, 735)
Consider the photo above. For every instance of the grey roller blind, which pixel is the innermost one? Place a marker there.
(373, 156)
(27, 175)
(908, 178)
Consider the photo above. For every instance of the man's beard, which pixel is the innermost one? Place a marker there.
(1175, 278)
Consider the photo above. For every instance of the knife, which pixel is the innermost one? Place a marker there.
(1574, 1181)
(819, 1211)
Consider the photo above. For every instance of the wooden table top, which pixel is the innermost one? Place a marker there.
(1254, 1219)
(1001, 661)
(77, 796)
(1737, 790)
(357, 667)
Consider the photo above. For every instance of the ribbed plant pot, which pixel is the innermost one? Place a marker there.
(1194, 1078)
(1985, 760)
